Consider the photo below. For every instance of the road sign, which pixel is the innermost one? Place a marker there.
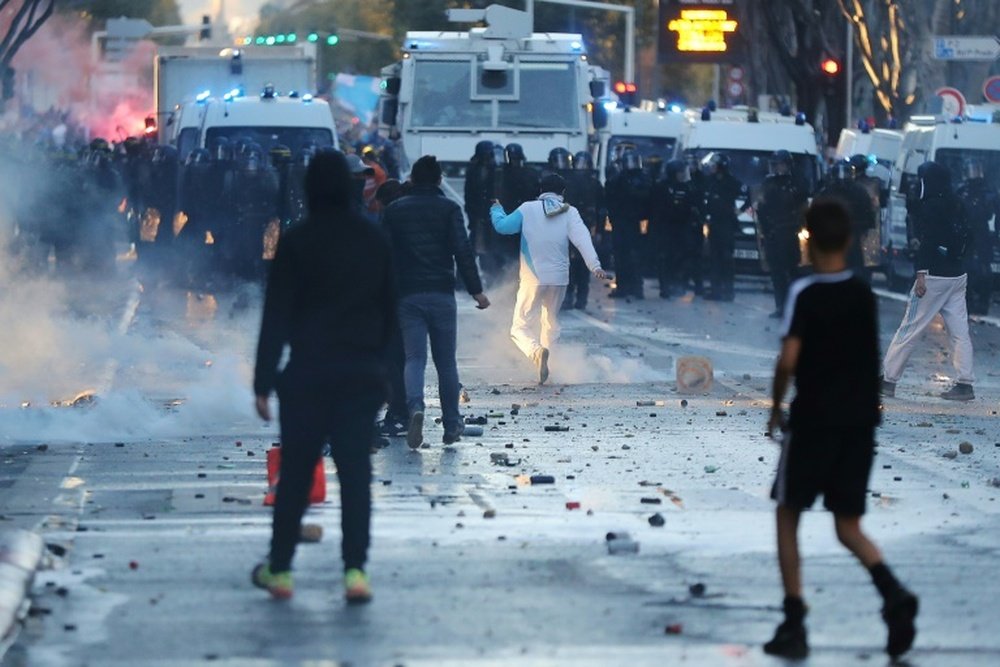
(952, 47)
(736, 73)
(991, 89)
(128, 28)
(735, 89)
(700, 31)
(952, 101)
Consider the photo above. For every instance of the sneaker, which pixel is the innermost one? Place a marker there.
(789, 641)
(888, 388)
(451, 436)
(357, 588)
(392, 427)
(960, 392)
(415, 431)
(898, 613)
(278, 584)
(541, 359)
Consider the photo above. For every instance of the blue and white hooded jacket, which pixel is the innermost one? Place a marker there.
(547, 226)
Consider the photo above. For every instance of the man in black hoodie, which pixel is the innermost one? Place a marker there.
(942, 237)
(331, 299)
(428, 237)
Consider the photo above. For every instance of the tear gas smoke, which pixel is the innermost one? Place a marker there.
(484, 341)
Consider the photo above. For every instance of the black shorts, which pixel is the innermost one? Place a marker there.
(834, 462)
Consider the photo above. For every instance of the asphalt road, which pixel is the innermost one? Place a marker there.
(151, 499)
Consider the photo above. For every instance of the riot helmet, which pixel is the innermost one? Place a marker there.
(677, 171)
(716, 163)
(199, 156)
(560, 159)
(164, 155)
(860, 163)
(251, 158)
(780, 163)
(280, 154)
(221, 150)
(515, 155)
(484, 151)
(631, 160)
(843, 170)
(99, 145)
(582, 161)
(973, 168)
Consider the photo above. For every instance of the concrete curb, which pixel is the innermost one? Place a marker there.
(20, 555)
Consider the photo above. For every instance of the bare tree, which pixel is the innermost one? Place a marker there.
(19, 21)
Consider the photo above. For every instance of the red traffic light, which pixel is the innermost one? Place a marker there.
(830, 67)
(630, 88)
(621, 88)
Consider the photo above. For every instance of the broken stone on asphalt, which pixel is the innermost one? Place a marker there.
(621, 543)
(950, 454)
(473, 431)
(650, 501)
(965, 447)
(311, 533)
(711, 469)
(697, 590)
(558, 428)
(572, 505)
(694, 375)
(490, 514)
(657, 520)
(543, 479)
(477, 421)
(674, 629)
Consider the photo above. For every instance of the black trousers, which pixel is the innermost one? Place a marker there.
(721, 244)
(579, 282)
(310, 419)
(671, 249)
(626, 238)
(783, 256)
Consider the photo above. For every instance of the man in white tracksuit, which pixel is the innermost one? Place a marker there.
(940, 285)
(547, 226)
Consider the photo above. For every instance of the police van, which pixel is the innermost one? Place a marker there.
(749, 137)
(268, 119)
(654, 134)
(950, 141)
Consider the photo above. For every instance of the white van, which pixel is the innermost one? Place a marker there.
(654, 134)
(267, 120)
(949, 142)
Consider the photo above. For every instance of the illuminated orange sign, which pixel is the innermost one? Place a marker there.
(703, 30)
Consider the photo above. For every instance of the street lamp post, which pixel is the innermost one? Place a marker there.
(629, 13)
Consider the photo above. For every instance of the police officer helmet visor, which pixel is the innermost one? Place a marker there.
(973, 168)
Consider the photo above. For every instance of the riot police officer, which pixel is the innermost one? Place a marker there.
(844, 186)
(254, 196)
(779, 212)
(102, 194)
(721, 190)
(676, 211)
(162, 194)
(560, 162)
(980, 203)
(480, 184)
(585, 192)
(628, 197)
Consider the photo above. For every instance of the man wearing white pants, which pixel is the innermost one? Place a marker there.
(547, 226)
(940, 285)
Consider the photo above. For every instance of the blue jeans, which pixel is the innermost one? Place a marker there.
(433, 314)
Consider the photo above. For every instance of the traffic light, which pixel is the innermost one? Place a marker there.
(332, 40)
(831, 73)
(626, 92)
(830, 67)
(313, 37)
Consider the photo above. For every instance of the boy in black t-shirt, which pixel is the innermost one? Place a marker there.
(830, 345)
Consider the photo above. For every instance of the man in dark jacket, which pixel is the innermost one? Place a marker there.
(941, 282)
(676, 211)
(722, 190)
(627, 197)
(428, 238)
(331, 299)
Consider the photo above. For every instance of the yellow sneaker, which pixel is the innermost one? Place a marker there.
(278, 584)
(357, 589)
